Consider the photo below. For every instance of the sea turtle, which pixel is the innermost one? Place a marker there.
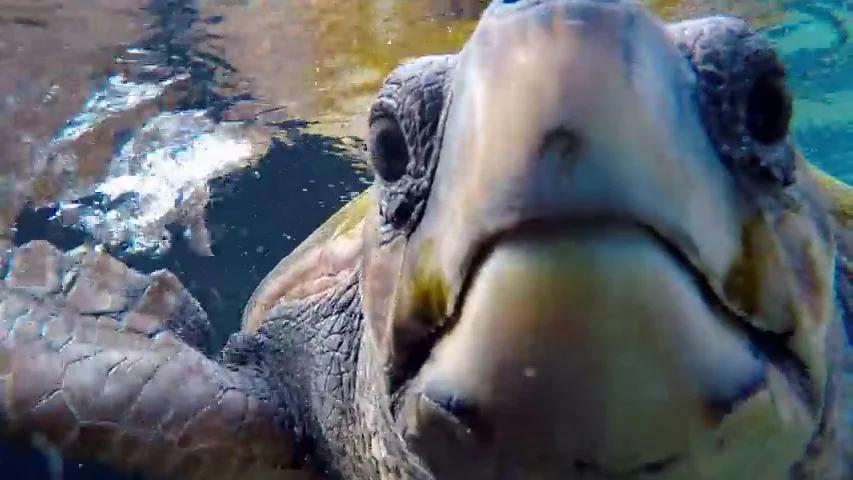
(591, 251)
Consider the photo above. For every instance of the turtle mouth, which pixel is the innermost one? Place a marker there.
(678, 246)
(772, 347)
(466, 421)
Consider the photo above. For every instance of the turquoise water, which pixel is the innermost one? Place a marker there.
(813, 39)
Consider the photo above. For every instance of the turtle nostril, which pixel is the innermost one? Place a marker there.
(459, 407)
(562, 143)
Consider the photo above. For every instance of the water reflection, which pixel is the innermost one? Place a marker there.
(85, 116)
(49, 54)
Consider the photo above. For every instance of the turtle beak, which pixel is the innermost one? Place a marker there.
(577, 212)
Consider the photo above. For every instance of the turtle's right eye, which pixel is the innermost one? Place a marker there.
(389, 151)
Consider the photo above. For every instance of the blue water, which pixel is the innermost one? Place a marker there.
(815, 45)
(263, 213)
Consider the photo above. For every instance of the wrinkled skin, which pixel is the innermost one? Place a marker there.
(591, 251)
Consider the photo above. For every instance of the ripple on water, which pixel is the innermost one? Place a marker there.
(160, 177)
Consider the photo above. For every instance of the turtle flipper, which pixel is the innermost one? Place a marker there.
(90, 365)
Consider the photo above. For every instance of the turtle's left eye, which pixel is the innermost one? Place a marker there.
(403, 137)
(744, 102)
(389, 152)
(769, 109)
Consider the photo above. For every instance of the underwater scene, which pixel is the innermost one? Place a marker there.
(211, 138)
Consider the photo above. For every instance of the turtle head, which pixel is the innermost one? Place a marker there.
(596, 252)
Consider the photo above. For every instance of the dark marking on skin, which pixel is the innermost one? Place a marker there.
(562, 142)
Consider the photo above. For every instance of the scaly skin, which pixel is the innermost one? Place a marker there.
(98, 361)
(591, 251)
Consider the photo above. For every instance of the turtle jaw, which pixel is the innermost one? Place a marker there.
(579, 350)
(593, 349)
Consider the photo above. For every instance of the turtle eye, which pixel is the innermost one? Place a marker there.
(768, 109)
(742, 95)
(389, 151)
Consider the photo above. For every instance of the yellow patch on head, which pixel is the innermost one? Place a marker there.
(429, 295)
(783, 282)
(747, 285)
(838, 194)
(425, 293)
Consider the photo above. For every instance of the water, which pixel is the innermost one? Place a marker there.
(98, 98)
(814, 41)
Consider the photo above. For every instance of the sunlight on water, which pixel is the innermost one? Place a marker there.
(159, 178)
(119, 96)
